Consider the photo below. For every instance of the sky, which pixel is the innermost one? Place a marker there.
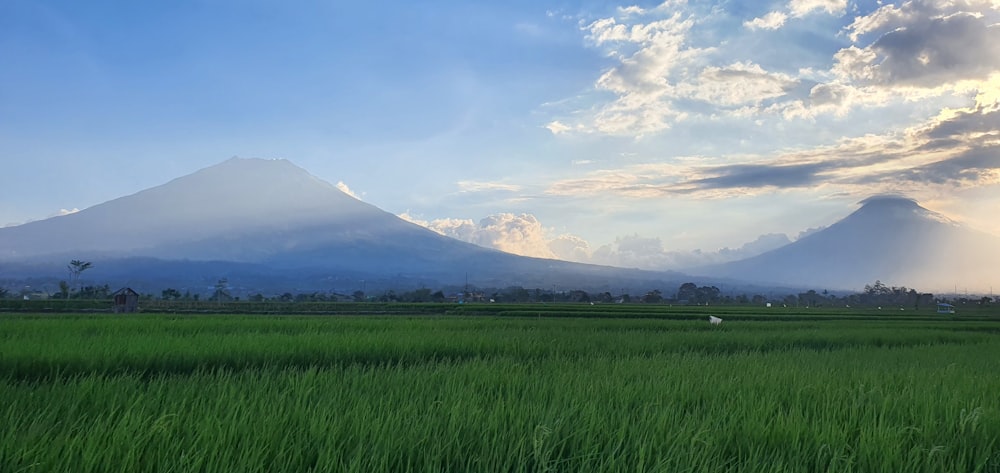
(646, 135)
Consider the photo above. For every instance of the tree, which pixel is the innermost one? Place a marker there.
(170, 294)
(64, 289)
(578, 295)
(94, 292)
(221, 291)
(653, 297)
(76, 268)
(687, 292)
(706, 294)
(811, 299)
(516, 294)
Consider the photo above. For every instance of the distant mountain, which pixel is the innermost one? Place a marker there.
(892, 239)
(270, 224)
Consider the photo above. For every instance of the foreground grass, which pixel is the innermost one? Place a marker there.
(451, 394)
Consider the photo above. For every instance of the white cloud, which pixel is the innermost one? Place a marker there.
(557, 127)
(478, 186)
(915, 51)
(519, 234)
(770, 21)
(347, 190)
(796, 9)
(524, 234)
(651, 58)
(570, 248)
(801, 8)
(63, 212)
(631, 10)
(740, 83)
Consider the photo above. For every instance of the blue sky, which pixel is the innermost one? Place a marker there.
(598, 131)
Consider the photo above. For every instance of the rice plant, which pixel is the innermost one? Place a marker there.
(225, 393)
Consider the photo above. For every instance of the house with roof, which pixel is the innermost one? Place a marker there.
(944, 308)
(125, 300)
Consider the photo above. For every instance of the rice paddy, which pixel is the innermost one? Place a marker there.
(228, 393)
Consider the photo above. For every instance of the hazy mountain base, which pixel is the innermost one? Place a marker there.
(888, 238)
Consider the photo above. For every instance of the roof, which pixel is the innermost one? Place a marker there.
(942, 304)
(127, 291)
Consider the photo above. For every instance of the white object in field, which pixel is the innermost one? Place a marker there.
(714, 320)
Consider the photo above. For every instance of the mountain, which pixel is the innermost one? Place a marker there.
(270, 224)
(889, 238)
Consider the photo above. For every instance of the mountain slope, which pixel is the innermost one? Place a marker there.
(889, 238)
(270, 217)
(239, 198)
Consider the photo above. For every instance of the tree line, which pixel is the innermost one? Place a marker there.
(877, 294)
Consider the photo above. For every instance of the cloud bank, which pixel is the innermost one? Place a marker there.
(937, 58)
(524, 234)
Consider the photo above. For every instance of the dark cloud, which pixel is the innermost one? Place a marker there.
(969, 166)
(828, 94)
(938, 50)
(964, 123)
(763, 175)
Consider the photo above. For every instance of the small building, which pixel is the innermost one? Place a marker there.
(126, 300)
(945, 308)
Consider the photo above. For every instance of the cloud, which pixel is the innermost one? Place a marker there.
(634, 251)
(965, 124)
(796, 9)
(740, 83)
(763, 244)
(913, 161)
(524, 234)
(923, 44)
(666, 68)
(809, 231)
(977, 167)
(478, 186)
(800, 8)
(570, 248)
(770, 21)
(748, 176)
(557, 127)
(347, 190)
(58, 213)
(652, 57)
(519, 234)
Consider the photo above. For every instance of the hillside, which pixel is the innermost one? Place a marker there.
(892, 239)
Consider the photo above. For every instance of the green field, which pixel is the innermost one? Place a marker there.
(761, 393)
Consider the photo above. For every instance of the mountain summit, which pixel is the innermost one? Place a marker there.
(228, 201)
(889, 238)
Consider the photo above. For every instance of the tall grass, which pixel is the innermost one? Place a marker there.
(519, 395)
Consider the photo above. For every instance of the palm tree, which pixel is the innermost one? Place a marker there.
(76, 267)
